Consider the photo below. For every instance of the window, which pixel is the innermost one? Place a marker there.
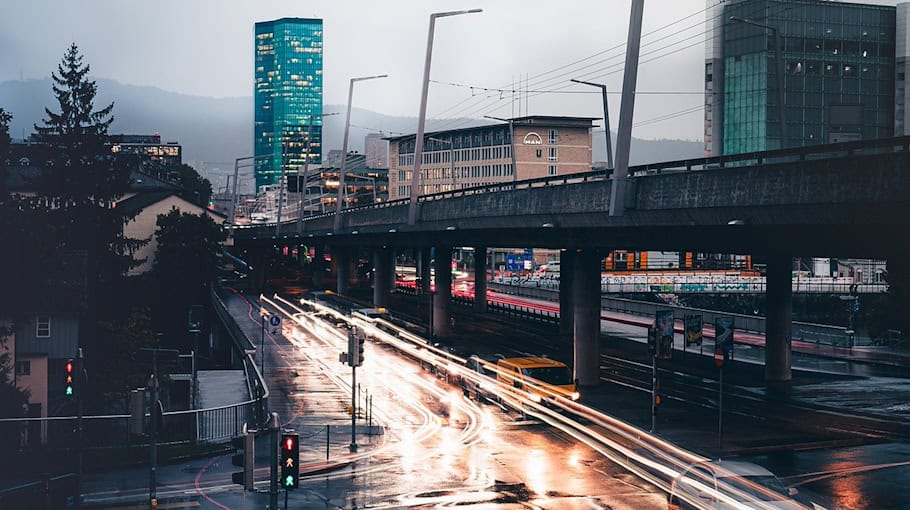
(551, 169)
(23, 368)
(43, 326)
(551, 136)
(551, 154)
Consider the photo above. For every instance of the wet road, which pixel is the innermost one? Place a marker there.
(438, 448)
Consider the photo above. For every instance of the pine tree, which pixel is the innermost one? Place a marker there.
(81, 185)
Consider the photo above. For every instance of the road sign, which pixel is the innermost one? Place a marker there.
(719, 357)
(275, 321)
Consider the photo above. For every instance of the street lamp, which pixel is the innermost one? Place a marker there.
(418, 143)
(603, 90)
(451, 157)
(512, 140)
(301, 181)
(237, 166)
(344, 147)
(780, 74)
(368, 178)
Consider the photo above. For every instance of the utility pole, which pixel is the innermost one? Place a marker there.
(153, 417)
(274, 426)
(80, 399)
(626, 107)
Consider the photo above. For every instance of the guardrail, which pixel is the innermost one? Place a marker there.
(258, 390)
(803, 331)
(811, 153)
(695, 285)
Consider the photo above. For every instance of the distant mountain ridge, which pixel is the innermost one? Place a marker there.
(215, 131)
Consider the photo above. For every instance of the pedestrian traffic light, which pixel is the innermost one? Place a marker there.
(70, 387)
(245, 458)
(290, 458)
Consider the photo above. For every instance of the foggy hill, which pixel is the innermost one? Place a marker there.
(215, 131)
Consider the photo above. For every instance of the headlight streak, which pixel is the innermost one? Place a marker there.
(668, 460)
(432, 426)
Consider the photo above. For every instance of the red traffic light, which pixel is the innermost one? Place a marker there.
(289, 443)
(69, 367)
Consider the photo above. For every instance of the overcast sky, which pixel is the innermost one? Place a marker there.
(205, 47)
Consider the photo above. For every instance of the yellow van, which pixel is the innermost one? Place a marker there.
(540, 377)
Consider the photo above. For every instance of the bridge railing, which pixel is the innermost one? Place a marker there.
(809, 153)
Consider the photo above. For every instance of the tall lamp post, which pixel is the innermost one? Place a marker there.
(301, 181)
(418, 143)
(451, 157)
(603, 90)
(780, 74)
(344, 148)
(511, 139)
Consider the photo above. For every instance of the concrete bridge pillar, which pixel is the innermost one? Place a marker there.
(777, 329)
(319, 267)
(341, 259)
(480, 279)
(423, 270)
(383, 267)
(443, 296)
(586, 301)
(566, 274)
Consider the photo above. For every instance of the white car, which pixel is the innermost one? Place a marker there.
(727, 484)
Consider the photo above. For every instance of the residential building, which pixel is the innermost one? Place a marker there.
(839, 76)
(287, 96)
(475, 156)
(376, 149)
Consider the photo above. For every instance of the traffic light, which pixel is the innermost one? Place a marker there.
(245, 458)
(70, 387)
(290, 458)
(361, 340)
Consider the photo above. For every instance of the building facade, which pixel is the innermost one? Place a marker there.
(477, 156)
(376, 149)
(839, 74)
(287, 96)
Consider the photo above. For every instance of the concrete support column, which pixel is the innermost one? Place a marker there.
(480, 279)
(778, 321)
(443, 294)
(393, 271)
(423, 270)
(341, 258)
(319, 267)
(566, 274)
(586, 301)
(383, 265)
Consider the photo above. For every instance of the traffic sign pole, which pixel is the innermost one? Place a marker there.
(720, 408)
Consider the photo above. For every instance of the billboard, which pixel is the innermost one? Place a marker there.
(693, 330)
(664, 319)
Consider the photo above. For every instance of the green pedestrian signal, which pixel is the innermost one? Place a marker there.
(69, 391)
(289, 481)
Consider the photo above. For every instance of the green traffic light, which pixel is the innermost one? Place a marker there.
(69, 390)
(289, 481)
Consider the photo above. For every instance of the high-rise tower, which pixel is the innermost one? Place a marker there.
(287, 96)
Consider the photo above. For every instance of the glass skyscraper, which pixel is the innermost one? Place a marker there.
(838, 66)
(288, 96)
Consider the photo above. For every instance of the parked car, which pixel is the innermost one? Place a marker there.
(709, 485)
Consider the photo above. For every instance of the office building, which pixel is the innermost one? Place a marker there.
(287, 97)
(476, 156)
(376, 149)
(839, 73)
